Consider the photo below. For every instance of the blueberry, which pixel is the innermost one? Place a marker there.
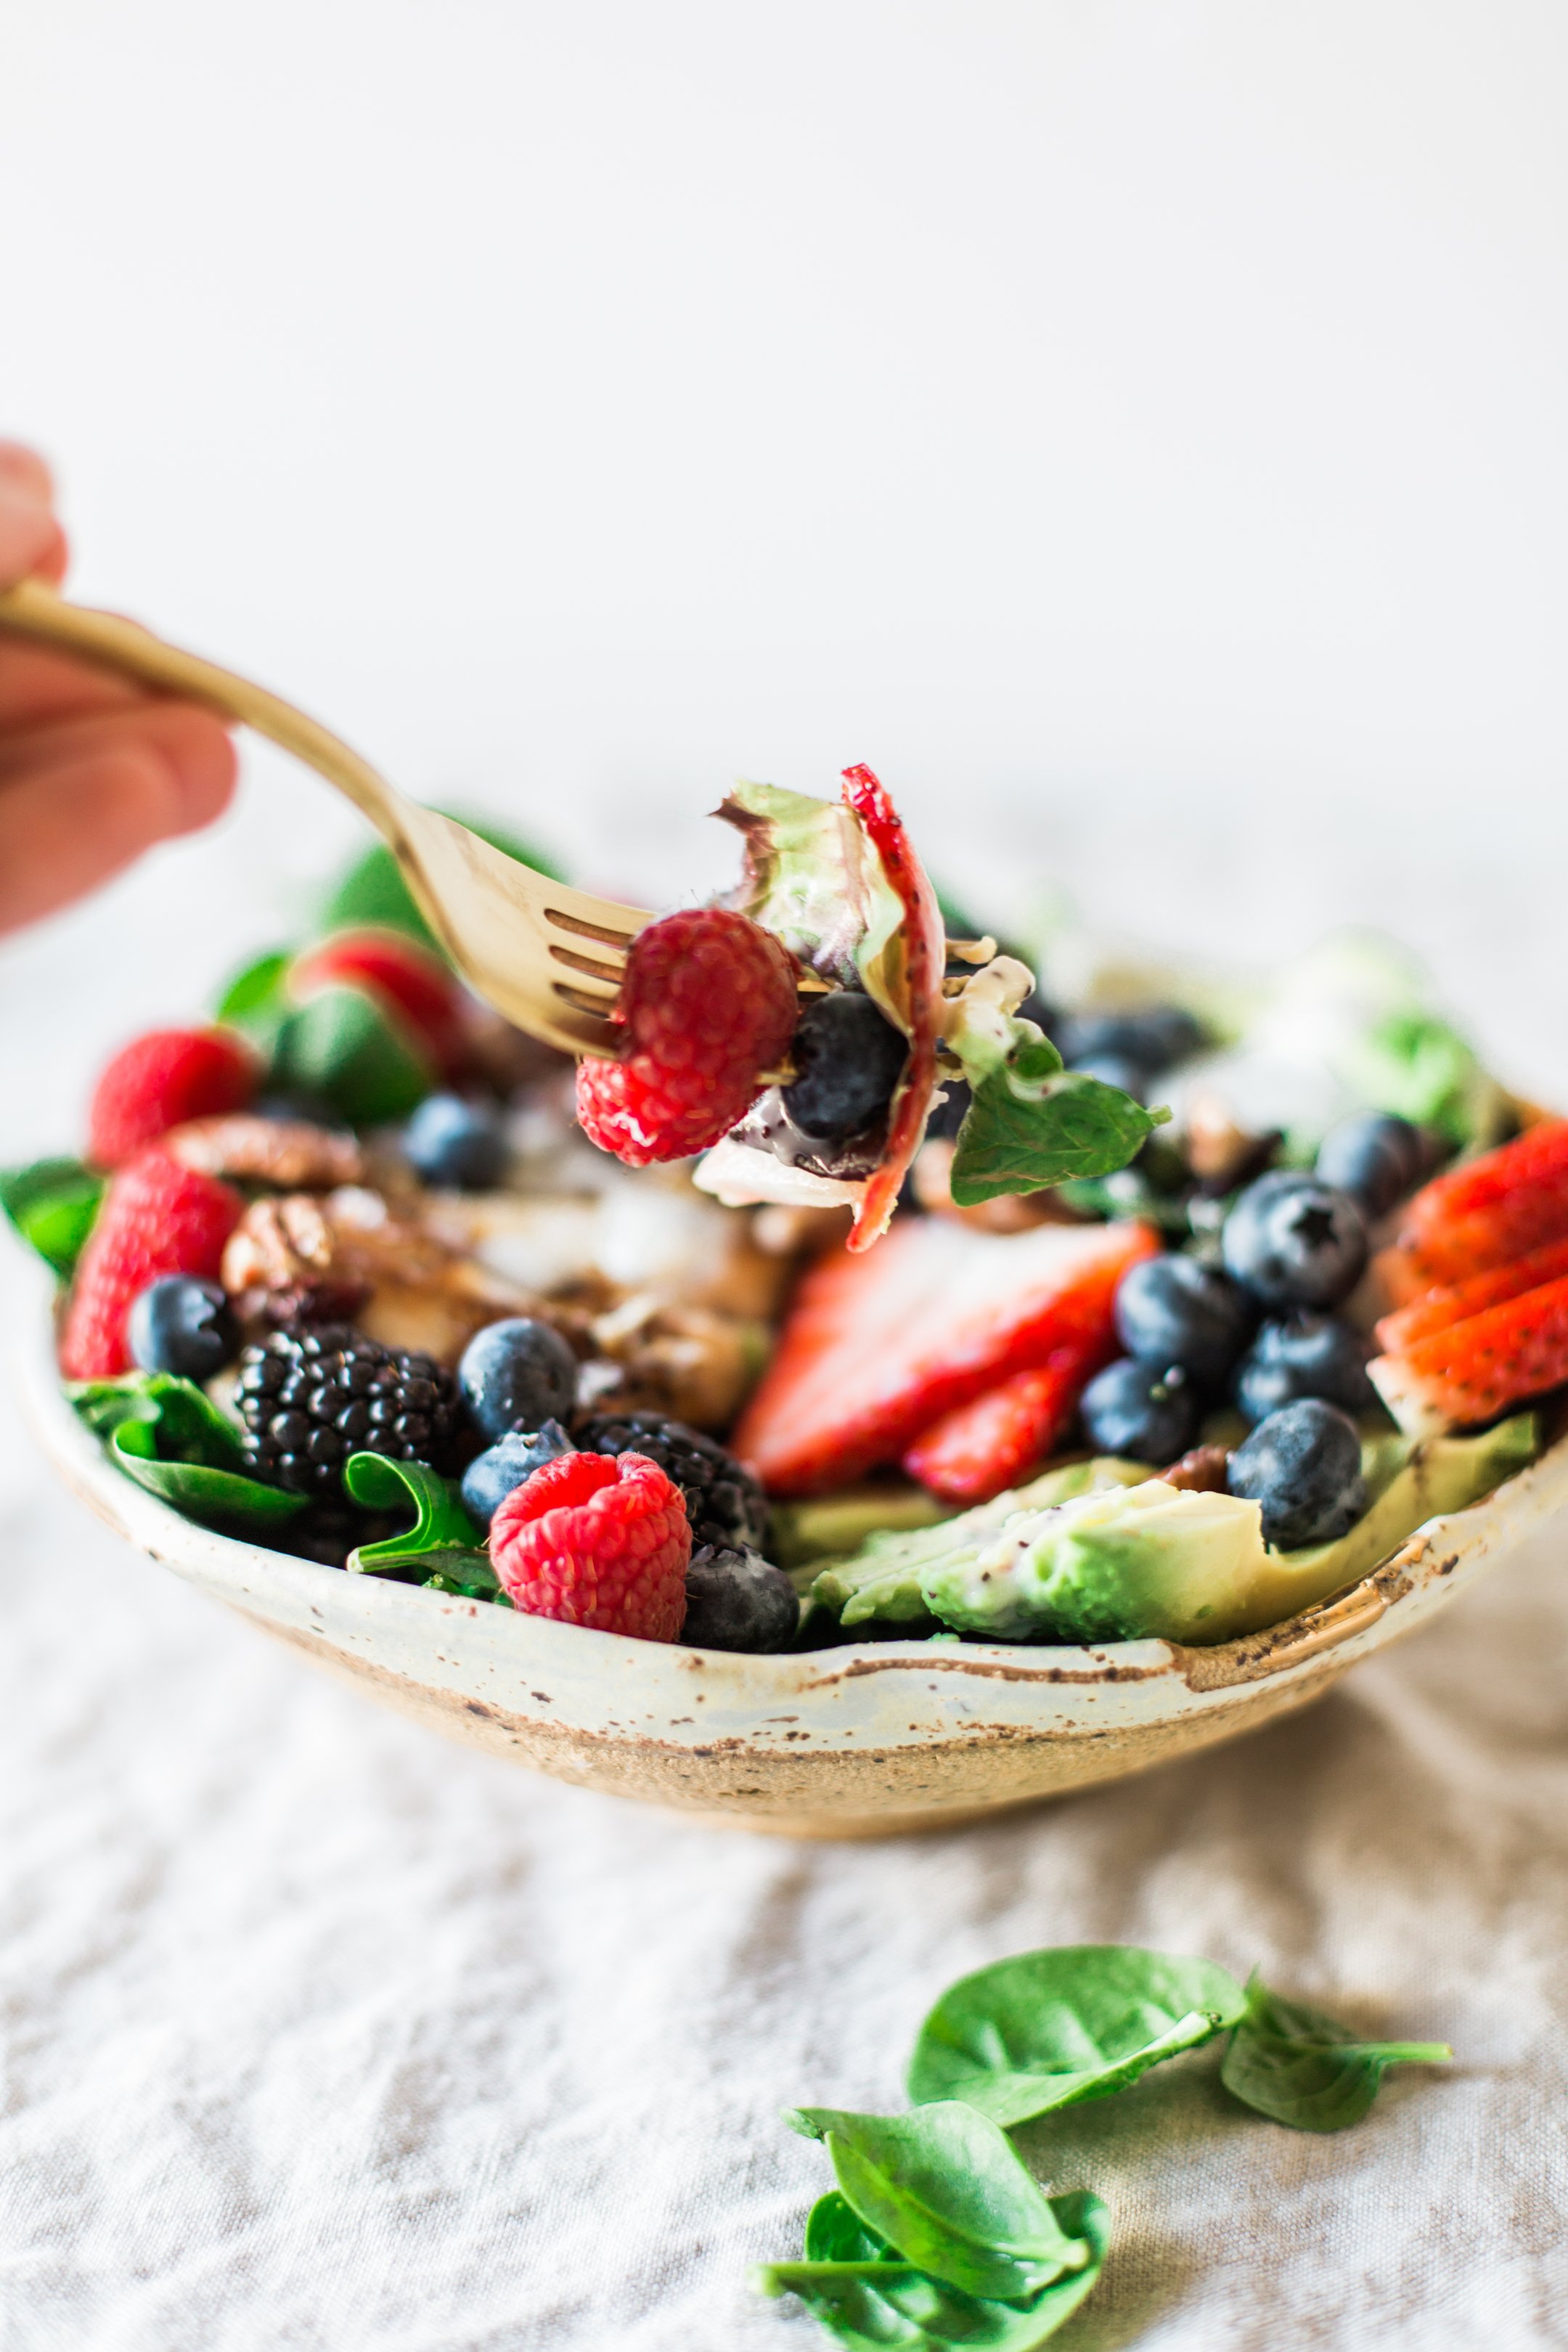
(1154, 1038)
(456, 1143)
(1304, 1464)
(1148, 1412)
(1305, 1355)
(738, 1601)
(1177, 1310)
(1114, 1070)
(848, 1058)
(1376, 1157)
(180, 1325)
(491, 1475)
(518, 1375)
(1293, 1242)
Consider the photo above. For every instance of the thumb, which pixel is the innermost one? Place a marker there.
(31, 540)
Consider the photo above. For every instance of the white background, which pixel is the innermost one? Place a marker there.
(1138, 430)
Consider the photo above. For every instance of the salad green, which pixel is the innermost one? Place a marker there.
(1051, 2029)
(852, 2280)
(945, 2186)
(938, 2235)
(166, 1433)
(1301, 2068)
(52, 1204)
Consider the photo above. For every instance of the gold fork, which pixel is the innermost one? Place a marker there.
(548, 957)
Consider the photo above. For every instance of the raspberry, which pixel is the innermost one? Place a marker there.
(157, 1218)
(708, 1000)
(161, 1081)
(594, 1541)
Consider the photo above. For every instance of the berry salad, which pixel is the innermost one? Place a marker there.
(872, 1292)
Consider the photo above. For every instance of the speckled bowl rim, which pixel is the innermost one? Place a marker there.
(864, 1740)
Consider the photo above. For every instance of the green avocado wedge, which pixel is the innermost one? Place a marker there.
(1443, 1475)
(1071, 1559)
(880, 1582)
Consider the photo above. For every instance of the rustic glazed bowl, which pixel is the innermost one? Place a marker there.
(863, 1741)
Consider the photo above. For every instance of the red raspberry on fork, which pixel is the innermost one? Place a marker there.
(709, 999)
(597, 1539)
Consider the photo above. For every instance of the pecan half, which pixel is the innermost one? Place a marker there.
(291, 1153)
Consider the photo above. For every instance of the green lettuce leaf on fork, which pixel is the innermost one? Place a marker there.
(1031, 1124)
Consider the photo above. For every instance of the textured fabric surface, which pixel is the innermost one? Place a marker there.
(322, 2033)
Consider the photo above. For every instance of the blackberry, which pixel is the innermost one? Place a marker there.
(310, 1398)
(724, 1503)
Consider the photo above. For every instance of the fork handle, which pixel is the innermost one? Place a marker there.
(32, 610)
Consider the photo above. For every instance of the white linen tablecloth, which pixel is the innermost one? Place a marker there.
(323, 2032)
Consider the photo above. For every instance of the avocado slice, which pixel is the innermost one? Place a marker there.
(1102, 1551)
(1445, 1473)
(880, 1581)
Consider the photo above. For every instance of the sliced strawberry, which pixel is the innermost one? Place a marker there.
(1470, 1372)
(917, 988)
(1509, 1201)
(878, 1348)
(982, 1449)
(405, 978)
(1436, 1309)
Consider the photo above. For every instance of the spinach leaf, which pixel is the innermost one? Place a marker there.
(1051, 2029)
(1298, 2067)
(850, 2281)
(441, 1525)
(470, 1573)
(52, 1203)
(948, 2192)
(256, 999)
(1032, 1124)
(168, 1435)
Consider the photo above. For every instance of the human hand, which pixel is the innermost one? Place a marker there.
(92, 771)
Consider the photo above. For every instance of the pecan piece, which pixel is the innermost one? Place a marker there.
(292, 1154)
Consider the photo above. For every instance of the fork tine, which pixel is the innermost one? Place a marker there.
(606, 937)
(611, 973)
(580, 1000)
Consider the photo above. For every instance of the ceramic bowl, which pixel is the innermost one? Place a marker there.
(864, 1740)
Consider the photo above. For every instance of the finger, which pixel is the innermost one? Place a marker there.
(79, 802)
(30, 535)
(38, 687)
(20, 464)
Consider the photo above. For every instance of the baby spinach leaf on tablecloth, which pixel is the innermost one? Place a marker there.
(948, 2192)
(1051, 2029)
(169, 1436)
(52, 1204)
(851, 2281)
(440, 1522)
(1301, 2068)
